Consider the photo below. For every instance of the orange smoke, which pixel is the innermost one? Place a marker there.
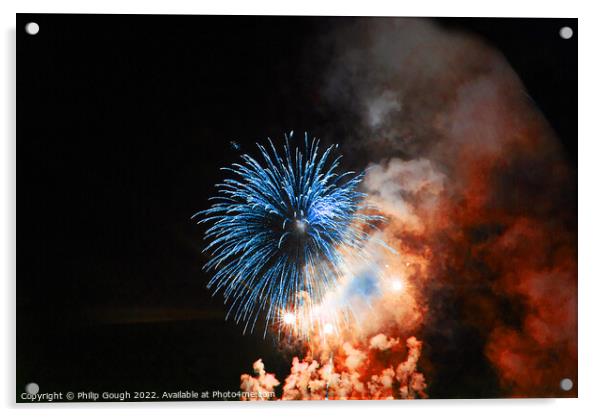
(512, 214)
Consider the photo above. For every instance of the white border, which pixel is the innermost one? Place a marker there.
(590, 201)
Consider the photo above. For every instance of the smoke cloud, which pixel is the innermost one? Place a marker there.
(476, 182)
(481, 215)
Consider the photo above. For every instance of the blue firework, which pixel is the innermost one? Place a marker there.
(280, 227)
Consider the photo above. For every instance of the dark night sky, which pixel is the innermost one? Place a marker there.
(123, 123)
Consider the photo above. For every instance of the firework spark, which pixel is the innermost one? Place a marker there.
(282, 230)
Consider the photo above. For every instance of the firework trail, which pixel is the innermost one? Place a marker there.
(281, 229)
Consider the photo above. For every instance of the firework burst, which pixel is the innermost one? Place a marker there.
(281, 229)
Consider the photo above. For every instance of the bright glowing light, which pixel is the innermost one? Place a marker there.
(289, 318)
(300, 226)
(328, 328)
(397, 285)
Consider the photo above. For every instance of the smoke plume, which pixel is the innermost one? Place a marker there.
(481, 216)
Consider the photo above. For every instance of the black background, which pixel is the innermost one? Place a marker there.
(123, 123)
